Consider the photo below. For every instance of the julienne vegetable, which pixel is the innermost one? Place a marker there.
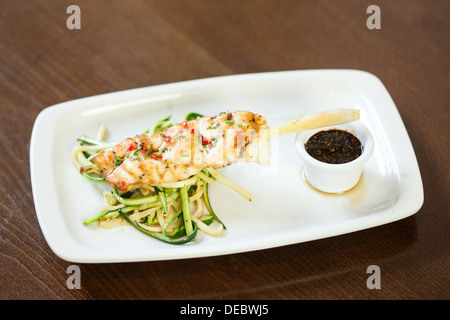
(173, 212)
(191, 235)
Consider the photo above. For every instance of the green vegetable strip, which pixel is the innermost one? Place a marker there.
(208, 221)
(193, 116)
(135, 201)
(163, 199)
(177, 232)
(163, 126)
(93, 179)
(159, 126)
(91, 157)
(152, 219)
(104, 213)
(185, 206)
(208, 204)
(182, 241)
(172, 192)
(88, 140)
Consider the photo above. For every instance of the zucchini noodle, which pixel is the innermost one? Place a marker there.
(171, 212)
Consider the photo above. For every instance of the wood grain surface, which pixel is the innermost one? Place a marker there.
(138, 43)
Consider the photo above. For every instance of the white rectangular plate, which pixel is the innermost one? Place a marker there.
(285, 210)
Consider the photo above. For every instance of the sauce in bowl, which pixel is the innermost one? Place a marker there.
(334, 146)
(333, 158)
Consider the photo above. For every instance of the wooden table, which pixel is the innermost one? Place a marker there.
(123, 45)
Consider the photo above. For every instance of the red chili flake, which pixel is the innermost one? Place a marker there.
(167, 139)
(192, 131)
(184, 123)
(130, 147)
(145, 149)
(155, 156)
(205, 141)
(122, 184)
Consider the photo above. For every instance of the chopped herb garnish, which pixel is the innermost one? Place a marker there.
(118, 161)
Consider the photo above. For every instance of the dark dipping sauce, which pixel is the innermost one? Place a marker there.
(334, 146)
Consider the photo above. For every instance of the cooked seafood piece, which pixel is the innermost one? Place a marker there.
(184, 149)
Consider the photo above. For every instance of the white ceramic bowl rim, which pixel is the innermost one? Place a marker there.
(357, 128)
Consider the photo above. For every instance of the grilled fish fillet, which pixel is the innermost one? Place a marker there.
(184, 149)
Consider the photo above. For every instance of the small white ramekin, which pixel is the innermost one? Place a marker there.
(335, 178)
